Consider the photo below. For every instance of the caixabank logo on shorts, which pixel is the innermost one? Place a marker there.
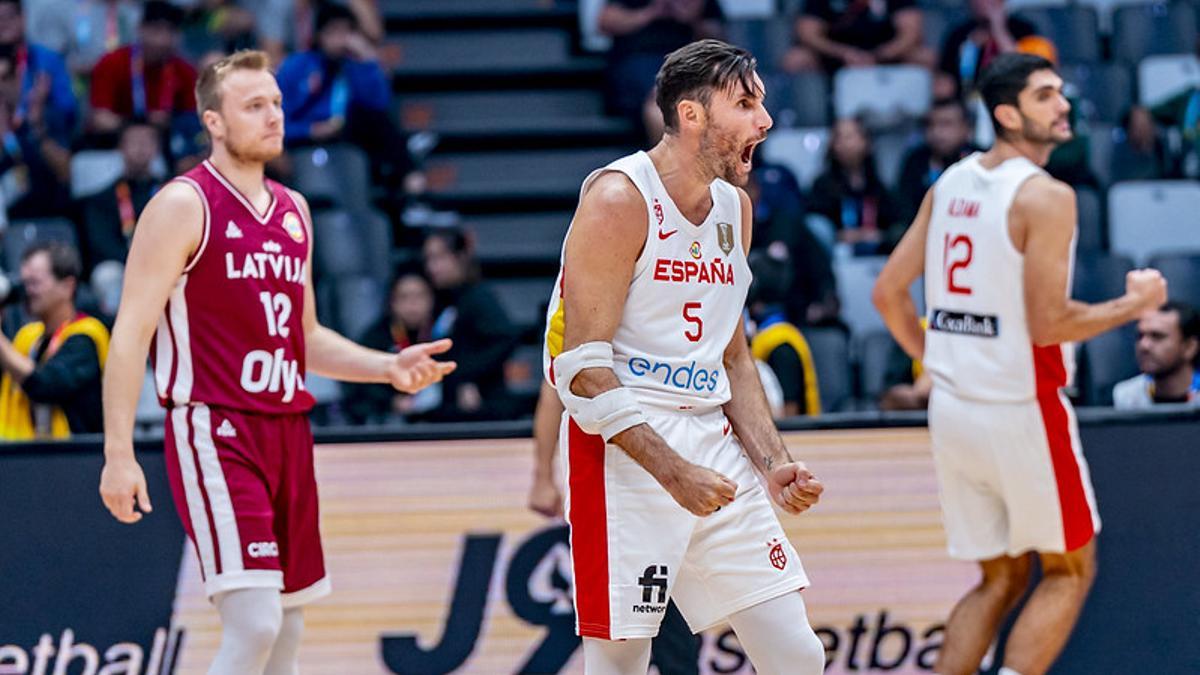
(654, 590)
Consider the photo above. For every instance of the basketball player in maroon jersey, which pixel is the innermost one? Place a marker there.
(220, 279)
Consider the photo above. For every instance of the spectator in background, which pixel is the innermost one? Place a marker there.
(83, 30)
(850, 194)
(407, 321)
(971, 46)
(217, 27)
(947, 140)
(1167, 346)
(108, 216)
(1139, 153)
(777, 342)
(51, 382)
(780, 230)
(643, 32)
(338, 92)
(149, 80)
(469, 313)
(831, 34)
(35, 133)
(288, 26)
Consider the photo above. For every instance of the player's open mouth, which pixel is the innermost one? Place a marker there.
(748, 153)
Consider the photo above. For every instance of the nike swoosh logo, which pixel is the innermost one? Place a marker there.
(666, 235)
(725, 431)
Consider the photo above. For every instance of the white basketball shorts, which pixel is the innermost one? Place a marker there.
(633, 546)
(1012, 477)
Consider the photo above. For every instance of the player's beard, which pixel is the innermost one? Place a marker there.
(720, 154)
(1042, 135)
(251, 154)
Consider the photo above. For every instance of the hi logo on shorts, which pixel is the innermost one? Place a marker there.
(654, 577)
(776, 555)
(263, 549)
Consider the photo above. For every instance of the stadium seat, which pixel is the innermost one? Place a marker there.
(1099, 276)
(524, 300)
(520, 237)
(1074, 30)
(855, 278)
(359, 304)
(1105, 89)
(831, 356)
(334, 175)
(1106, 360)
(1091, 219)
(938, 22)
(1148, 217)
(801, 150)
(874, 352)
(1182, 271)
(479, 51)
(94, 170)
(323, 389)
(1159, 28)
(339, 249)
(884, 95)
(530, 174)
(480, 111)
(889, 150)
(1100, 137)
(767, 38)
(809, 100)
(376, 232)
(590, 37)
(1161, 77)
(1106, 8)
(22, 234)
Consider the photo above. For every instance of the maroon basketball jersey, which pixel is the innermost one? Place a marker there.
(232, 334)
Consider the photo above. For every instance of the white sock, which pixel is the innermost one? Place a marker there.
(616, 657)
(777, 637)
(250, 621)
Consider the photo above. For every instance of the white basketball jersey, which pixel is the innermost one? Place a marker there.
(685, 300)
(977, 345)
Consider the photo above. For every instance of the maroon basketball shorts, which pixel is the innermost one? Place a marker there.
(245, 490)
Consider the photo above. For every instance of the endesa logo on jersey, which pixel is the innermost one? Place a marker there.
(674, 271)
(687, 377)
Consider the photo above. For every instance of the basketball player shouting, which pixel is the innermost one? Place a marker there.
(995, 239)
(666, 419)
(219, 275)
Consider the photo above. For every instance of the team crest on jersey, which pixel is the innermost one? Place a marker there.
(291, 225)
(725, 237)
(695, 250)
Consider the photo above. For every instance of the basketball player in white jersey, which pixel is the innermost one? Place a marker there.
(995, 239)
(666, 419)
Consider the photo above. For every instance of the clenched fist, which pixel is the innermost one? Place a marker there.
(1147, 287)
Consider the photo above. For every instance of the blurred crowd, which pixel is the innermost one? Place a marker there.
(97, 110)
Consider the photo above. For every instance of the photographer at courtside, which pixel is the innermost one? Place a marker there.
(51, 382)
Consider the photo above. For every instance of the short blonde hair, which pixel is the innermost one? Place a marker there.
(208, 85)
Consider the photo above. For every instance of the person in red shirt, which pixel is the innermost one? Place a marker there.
(146, 80)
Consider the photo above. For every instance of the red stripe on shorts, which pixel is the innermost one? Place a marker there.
(589, 532)
(1078, 528)
(208, 512)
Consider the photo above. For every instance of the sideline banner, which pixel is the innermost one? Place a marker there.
(437, 566)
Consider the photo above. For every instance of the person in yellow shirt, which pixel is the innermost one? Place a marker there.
(50, 386)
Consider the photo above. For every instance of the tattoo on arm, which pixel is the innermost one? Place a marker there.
(768, 462)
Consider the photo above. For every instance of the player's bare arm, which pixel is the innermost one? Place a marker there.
(337, 357)
(544, 496)
(1042, 225)
(168, 233)
(792, 486)
(601, 250)
(890, 294)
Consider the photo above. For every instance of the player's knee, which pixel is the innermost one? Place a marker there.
(1008, 579)
(259, 631)
(810, 653)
